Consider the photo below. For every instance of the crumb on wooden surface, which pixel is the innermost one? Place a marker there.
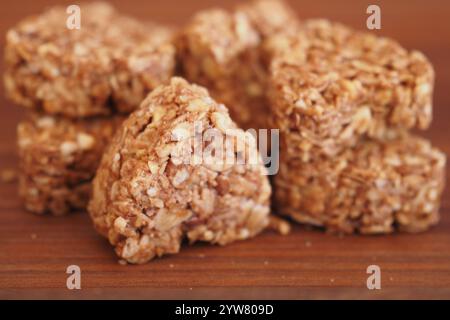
(279, 225)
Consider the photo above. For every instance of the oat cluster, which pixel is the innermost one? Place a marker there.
(76, 84)
(108, 65)
(221, 50)
(344, 101)
(331, 85)
(374, 187)
(58, 158)
(148, 194)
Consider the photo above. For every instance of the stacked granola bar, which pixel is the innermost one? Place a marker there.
(58, 158)
(344, 102)
(78, 85)
(222, 51)
(373, 187)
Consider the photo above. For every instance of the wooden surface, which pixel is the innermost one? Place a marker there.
(36, 250)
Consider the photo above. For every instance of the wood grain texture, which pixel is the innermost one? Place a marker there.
(35, 250)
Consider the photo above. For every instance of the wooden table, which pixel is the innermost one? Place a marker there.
(36, 250)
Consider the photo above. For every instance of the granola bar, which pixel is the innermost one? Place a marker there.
(375, 187)
(150, 191)
(58, 158)
(221, 50)
(270, 17)
(330, 85)
(107, 66)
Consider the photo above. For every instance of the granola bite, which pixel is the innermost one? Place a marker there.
(375, 187)
(58, 158)
(107, 66)
(270, 17)
(153, 188)
(330, 85)
(221, 50)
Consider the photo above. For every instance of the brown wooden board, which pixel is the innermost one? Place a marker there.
(36, 250)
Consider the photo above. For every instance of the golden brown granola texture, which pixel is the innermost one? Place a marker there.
(58, 158)
(148, 195)
(344, 101)
(330, 85)
(375, 187)
(108, 65)
(221, 50)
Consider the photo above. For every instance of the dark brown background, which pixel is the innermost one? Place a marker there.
(35, 250)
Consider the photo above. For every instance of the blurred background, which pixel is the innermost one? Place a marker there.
(416, 24)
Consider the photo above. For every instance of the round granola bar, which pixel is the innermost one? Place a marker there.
(153, 188)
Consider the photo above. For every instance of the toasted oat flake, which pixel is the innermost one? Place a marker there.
(85, 141)
(151, 192)
(180, 177)
(68, 148)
